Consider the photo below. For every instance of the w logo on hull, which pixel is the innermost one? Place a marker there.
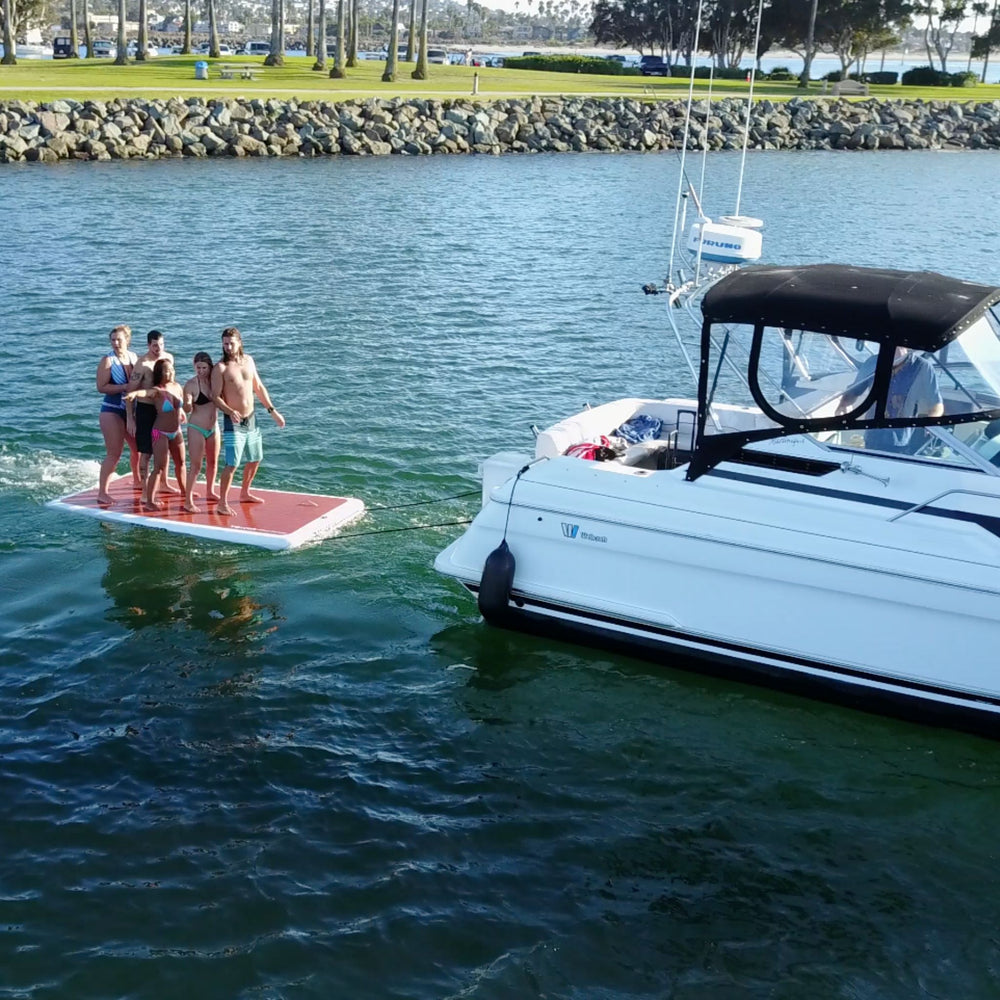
(570, 530)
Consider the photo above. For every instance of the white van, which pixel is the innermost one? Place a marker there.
(438, 56)
(257, 49)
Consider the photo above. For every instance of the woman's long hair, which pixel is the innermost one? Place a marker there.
(158, 369)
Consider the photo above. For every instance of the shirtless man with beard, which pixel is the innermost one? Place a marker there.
(235, 382)
(145, 413)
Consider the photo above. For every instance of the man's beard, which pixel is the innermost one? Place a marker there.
(227, 356)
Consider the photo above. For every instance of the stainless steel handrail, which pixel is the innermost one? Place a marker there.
(927, 503)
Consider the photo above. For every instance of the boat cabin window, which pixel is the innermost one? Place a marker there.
(785, 377)
(802, 381)
(805, 375)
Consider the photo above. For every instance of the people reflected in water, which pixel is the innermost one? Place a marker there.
(155, 582)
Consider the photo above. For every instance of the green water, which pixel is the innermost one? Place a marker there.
(235, 773)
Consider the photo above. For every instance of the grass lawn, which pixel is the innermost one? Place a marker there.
(168, 76)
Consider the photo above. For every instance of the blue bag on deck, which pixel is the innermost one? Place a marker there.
(639, 428)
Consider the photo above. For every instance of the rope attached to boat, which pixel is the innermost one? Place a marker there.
(411, 527)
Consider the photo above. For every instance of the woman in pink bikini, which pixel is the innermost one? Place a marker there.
(168, 398)
(204, 442)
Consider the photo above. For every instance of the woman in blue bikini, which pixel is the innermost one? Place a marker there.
(168, 442)
(204, 442)
(113, 373)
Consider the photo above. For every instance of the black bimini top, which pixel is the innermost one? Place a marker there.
(917, 309)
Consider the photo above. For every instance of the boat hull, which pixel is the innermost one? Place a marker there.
(733, 577)
(853, 689)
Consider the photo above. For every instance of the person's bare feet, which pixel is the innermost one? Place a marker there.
(190, 508)
(211, 496)
(225, 510)
(105, 499)
(172, 490)
(152, 505)
(250, 498)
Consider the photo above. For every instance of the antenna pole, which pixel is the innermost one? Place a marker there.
(687, 125)
(746, 123)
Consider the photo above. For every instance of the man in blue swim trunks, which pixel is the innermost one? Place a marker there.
(235, 383)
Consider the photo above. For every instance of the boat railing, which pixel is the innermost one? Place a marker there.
(917, 507)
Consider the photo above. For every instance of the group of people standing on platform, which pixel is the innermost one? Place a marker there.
(146, 408)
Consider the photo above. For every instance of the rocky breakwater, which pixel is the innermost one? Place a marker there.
(133, 128)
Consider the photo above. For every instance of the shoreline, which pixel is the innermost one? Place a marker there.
(138, 128)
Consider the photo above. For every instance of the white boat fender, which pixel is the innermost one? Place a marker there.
(496, 582)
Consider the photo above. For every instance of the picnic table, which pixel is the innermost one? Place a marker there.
(245, 71)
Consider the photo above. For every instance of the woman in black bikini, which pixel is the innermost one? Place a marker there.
(203, 431)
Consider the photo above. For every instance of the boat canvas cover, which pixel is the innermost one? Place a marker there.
(917, 309)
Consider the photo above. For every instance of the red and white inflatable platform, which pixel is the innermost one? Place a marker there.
(282, 521)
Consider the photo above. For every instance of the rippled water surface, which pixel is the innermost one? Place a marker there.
(312, 774)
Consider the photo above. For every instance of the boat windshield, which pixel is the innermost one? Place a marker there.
(859, 392)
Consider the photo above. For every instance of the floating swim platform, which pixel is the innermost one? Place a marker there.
(282, 521)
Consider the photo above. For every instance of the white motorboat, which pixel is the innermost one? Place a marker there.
(806, 521)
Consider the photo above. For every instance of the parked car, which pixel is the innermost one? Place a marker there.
(62, 47)
(133, 47)
(437, 56)
(224, 49)
(257, 48)
(103, 49)
(616, 58)
(653, 66)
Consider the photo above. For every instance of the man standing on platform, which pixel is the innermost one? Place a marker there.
(145, 413)
(235, 382)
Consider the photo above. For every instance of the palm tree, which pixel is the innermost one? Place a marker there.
(810, 47)
(979, 10)
(143, 40)
(121, 55)
(991, 32)
(412, 32)
(338, 72)
(9, 58)
(420, 72)
(186, 46)
(389, 76)
(320, 40)
(276, 57)
(310, 39)
(74, 36)
(213, 31)
(352, 44)
(87, 40)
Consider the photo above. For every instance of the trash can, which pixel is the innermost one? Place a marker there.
(201, 70)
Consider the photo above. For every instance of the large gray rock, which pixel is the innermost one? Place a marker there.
(126, 128)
